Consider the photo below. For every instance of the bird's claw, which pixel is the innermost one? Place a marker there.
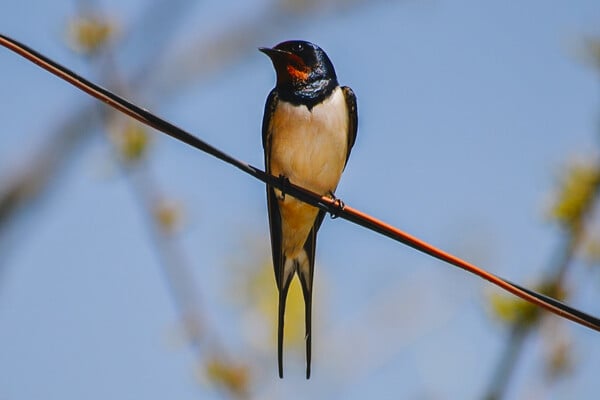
(285, 182)
(338, 204)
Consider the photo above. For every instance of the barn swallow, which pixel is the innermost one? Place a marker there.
(309, 127)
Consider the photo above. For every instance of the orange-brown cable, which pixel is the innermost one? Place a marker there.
(335, 207)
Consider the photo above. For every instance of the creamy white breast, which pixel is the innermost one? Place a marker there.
(309, 147)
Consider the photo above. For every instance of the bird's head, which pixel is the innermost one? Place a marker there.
(300, 65)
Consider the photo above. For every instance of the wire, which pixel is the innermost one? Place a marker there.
(333, 206)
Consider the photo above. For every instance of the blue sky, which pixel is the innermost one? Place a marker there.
(468, 112)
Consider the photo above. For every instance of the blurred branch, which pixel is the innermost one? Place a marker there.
(527, 320)
(130, 143)
(20, 192)
(210, 354)
(573, 208)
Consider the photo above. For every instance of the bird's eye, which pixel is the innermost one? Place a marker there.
(300, 47)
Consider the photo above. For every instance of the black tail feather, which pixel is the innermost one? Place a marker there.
(283, 291)
(306, 282)
(308, 324)
(280, 334)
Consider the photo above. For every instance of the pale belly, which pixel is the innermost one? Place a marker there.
(309, 148)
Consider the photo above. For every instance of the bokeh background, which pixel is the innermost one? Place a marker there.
(133, 266)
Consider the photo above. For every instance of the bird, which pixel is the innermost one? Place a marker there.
(309, 128)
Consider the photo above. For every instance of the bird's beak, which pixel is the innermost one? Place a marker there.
(274, 53)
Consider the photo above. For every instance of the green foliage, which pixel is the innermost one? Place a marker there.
(88, 34)
(132, 141)
(559, 357)
(576, 194)
(233, 377)
(511, 309)
(168, 214)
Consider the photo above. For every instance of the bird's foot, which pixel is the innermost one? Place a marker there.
(338, 204)
(285, 182)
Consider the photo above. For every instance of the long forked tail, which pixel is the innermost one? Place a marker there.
(302, 267)
(306, 281)
(286, 276)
